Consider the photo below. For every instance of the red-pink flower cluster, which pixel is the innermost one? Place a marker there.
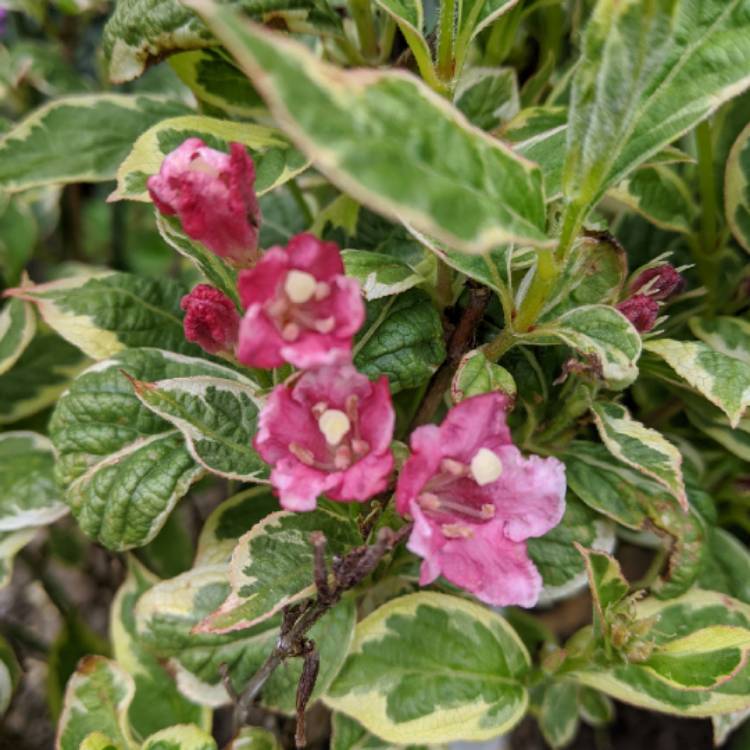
(474, 499)
(647, 290)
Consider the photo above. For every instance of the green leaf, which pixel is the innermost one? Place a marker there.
(17, 328)
(640, 447)
(402, 338)
(660, 195)
(476, 374)
(254, 738)
(737, 189)
(215, 80)
(646, 76)
(10, 544)
(272, 565)
(50, 146)
(10, 674)
(597, 710)
(229, 521)
(40, 375)
(558, 717)
(28, 493)
(124, 468)
(216, 270)
(555, 555)
(476, 15)
(347, 734)
(723, 380)
(185, 737)
(594, 272)
(607, 583)
(96, 700)
(727, 566)
(379, 275)
(697, 666)
(140, 32)
(605, 485)
(275, 160)
(168, 613)
(451, 181)
(724, 334)
(433, 668)
(217, 417)
(109, 312)
(156, 703)
(18, 236)
(487, 96)
(602, 336)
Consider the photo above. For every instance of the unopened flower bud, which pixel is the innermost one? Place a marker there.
(213, 195)
(659, 282)
(211, 319)
(641, 311)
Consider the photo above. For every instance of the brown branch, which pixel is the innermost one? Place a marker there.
(460, 342)
(347, 572)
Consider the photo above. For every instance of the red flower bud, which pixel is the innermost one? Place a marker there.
(659, 282)
(641, 310)
(211, 319)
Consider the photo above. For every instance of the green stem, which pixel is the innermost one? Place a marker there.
(533, 302)
(446, 38)
(706, 255)
(387, 36)
(499, 345)
(364, 20)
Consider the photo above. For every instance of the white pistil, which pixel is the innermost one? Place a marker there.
(334, 424)
(486, 467)
(457, 531)
(290, 332)
(300, 286)
(325, 325)
(322, 290)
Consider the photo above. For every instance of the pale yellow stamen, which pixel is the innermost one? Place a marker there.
(325, 325)
(322, 290)
(300, 286)
(486, 467)
(290, 332)
(457, 531)
(334, 424)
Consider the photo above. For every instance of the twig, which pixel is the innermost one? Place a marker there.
(459, 343)
(346, 573)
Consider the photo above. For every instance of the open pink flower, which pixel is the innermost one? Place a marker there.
(330, 432)
(211, 319)
(300, 308)
(213, 195)
(475, 500)
(641, 311)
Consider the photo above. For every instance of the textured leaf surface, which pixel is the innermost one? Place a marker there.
(646, 450)
(487, 96)
(156, 703)
(28, 493)
(17, 327)
(698, 636)
(104, 314)
(52, 146)
(39, 376)
(143, 31)
(11, 542)
(558, 717)
(272, 565)
(644, 79)
(185, 737)
(347, 734)
(402, 338)
(448, 180)
(379, 275)
(463, 680)
(254, 738)
(727, 566)
(608, 585)
(476, 374)
(96, 700)
(730, 336)
(167, 616)
(275, 160)
(218, 418)
(737, 189)
(604, 338)
(124, 468)
(723, 380)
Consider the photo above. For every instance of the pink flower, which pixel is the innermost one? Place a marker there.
(213, 195)
(659, 282)
(300, 308)
(211, 319)
(330, 432)
(641, 311)
(475, 500)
